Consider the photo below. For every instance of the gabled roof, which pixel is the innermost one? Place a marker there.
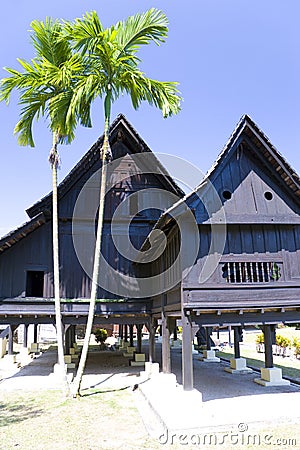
(19, 233)
(267, 152)
(268, 155)
(120, 130)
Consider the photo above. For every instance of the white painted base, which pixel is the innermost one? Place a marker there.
(151, 369)
(3, 343)
(34, 347)
(271, 377)
(71, 365)
(210, 356)
(238, 365)
(139, 359)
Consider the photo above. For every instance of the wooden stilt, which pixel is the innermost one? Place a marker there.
(237, 337)
(269, 338)
(131, 335)
(139, 328)
(152, 328)
(25, 335)
(166, 355)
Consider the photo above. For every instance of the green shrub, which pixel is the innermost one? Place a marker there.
(100, 335)
(260, 339)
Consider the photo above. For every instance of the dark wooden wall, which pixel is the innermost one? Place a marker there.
(34, 252)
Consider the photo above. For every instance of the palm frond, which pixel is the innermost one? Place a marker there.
(50, 42)
(85, 33)
(141, 29)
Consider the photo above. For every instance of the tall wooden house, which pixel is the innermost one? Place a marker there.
(239, 253)
(231, 256)
(26, 261)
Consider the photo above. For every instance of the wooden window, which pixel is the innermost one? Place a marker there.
(251, 272)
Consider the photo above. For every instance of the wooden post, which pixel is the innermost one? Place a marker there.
(35, 333)
(68, 343)
(126, 333)
(121, 331)
(207, 336)
(269, 331)
(229, 335)
(139, 338)
(175, 338)
(73, 335)
(131, 335)
(25, 335)
(187, 359)
(152, 328)
(166, 354)
(11, 339)
(237, 353)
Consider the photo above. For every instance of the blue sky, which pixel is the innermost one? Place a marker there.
(230, 56)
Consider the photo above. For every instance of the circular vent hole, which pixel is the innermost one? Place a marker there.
(268, 195)
(226, 195)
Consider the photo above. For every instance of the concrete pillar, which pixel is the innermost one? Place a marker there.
(187, 359)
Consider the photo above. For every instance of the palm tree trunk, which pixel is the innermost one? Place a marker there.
(54, 161)
(105, 155)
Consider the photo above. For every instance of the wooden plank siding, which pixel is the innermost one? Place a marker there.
(34, 250)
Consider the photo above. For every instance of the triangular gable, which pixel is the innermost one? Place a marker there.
(121, 131)
(254, 182)
(267, 174)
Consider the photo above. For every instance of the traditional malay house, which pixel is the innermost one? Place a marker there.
(227, 254)
(232, 254)
(26, 262)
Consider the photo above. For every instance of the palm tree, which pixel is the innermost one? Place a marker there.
(46, 87)
(112, 69)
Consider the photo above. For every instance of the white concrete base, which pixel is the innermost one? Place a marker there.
(129, 352)
(238, 365)
(139, 359)
(34, 347)
(271, 377)
(72, 351)
(68, 359)
(209, 356)
(71, 365)
(3, 343)
(151, 369)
